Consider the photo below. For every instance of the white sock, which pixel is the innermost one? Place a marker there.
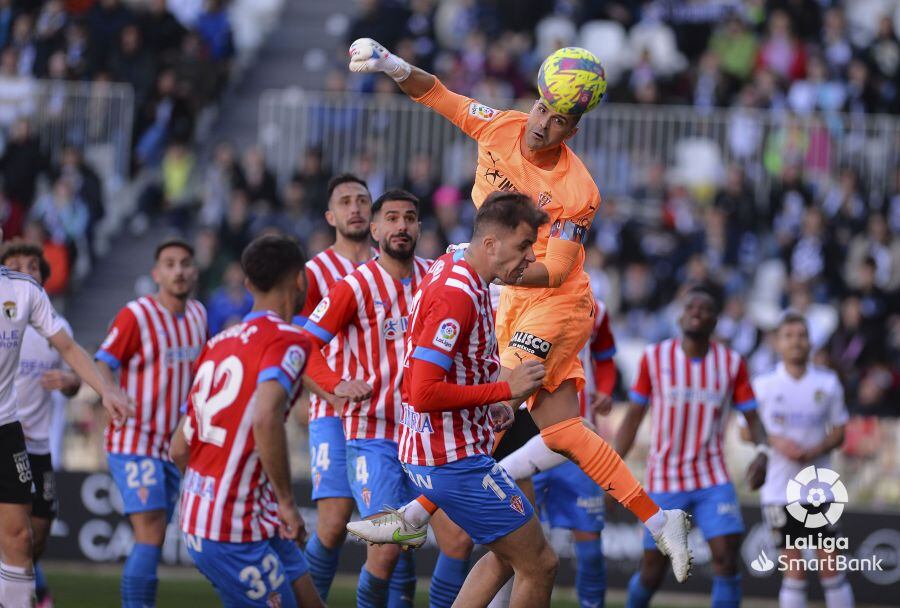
(838, 593)
(792, 594)
(656, 522)
(16, 586)
(531, 458)
(501, 600)
(415, 513)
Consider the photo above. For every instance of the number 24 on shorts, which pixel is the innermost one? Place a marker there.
(320, 459)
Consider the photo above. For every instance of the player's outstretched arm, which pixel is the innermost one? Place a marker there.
(370, 57)
(114, 400)
(270, 438)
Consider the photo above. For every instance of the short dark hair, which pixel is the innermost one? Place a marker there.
(509, 209)
(174, 241)
(345, 178)
(790, 317)
(711, 291)
(27, 249)
(395, 195)
(270, 258)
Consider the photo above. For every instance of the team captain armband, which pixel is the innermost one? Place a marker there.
(569, 230)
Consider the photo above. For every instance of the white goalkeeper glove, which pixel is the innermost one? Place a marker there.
(370, 57)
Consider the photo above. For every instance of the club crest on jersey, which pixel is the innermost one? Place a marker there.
(481, 111)
(293, 360)
(320, 310)
(394, 328)
(367, 496)
(515, 502)
(819, 396)
(113, 334)
(544, 199)
(447, 334)
(9, 310)
(530, 344)
(317, 479)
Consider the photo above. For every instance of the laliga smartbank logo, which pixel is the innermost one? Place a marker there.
(816, 497)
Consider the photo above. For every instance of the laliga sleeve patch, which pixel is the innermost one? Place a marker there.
(531, 344)
(320, 310)
(481, 111)
(110, 339)
(447, 334)
(293, 361)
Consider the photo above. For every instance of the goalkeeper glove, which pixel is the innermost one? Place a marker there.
(370, 57)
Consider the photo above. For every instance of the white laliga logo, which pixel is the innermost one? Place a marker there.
(762, 563)
(816, 497)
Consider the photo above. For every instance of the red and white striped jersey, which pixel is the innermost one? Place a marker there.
(155, 351)
(451, 326)
(689, 401)
(323, 271)
(226, 495)
(600, 348)
(370, 310)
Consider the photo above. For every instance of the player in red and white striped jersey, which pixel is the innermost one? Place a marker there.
(370, 308)
(349, 212)
(238, 514)
(153, 343)
(454, 401)
(689, 385)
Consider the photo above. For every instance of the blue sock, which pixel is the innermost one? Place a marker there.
(40, 583)
(590, 577)
(371, 591)
(447, 580)
(402, 587)
(139, 576)
(323, 563)
(638, 595)
(726, 591)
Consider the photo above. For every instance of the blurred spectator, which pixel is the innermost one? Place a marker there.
(12, 217)
(873, 301)
(861, 94)
(789, 200)
(228, 304)
(421, 181)
(883, 55)
(735, 46)
(235, 233)
(131, 63)
(215, 30)
(814, 259)
(845, 208)
(451, 227)
(210, 261)
(57, 255)
(161, 30)
(222, 175)
(817, 91)
(86, 183)
(296, 218)
(735, 328)
(854, 348)
(258, 182)
(7, 14)
(313, 174)
(64, 215)
(780, 51)
(164, 117)
(21, 164)
(105, 20)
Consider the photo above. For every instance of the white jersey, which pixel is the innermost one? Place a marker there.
(35, 403)
(23, 302)
(802, 410)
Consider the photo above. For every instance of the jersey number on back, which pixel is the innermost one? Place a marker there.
(229, 374)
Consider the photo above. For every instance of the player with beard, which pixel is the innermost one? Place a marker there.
(154, 342)
(369, 309)
(349, 212)
(689, 386)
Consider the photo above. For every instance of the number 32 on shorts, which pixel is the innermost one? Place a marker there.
(253, 577)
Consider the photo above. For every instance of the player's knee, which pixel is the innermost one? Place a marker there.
(149, 527)
(548, 562)
(457, 545)
(18, 543)
(725, 563)
(331, 527)
(381, 559)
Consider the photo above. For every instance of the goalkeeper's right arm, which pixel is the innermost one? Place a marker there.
(368, 56)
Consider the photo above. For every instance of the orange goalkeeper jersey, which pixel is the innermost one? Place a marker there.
(567, 193)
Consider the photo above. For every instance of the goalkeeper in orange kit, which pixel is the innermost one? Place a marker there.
(548, 314)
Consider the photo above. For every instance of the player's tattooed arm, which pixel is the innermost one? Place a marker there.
(271, 443)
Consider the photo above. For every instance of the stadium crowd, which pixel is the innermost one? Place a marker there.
(177, 64)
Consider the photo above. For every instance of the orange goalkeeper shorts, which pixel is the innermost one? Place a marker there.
(551, 329)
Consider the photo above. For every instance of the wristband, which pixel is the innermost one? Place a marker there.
(397, 68)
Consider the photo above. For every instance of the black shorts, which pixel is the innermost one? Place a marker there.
(522, 430)
(783, 525)
(16, 481)
(46, 504)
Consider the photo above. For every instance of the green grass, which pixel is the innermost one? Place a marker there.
(93, 587)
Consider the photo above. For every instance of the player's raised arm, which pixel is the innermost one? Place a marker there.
(369, 57)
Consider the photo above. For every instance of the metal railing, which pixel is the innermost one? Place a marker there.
(96, 117)
(617, 142)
